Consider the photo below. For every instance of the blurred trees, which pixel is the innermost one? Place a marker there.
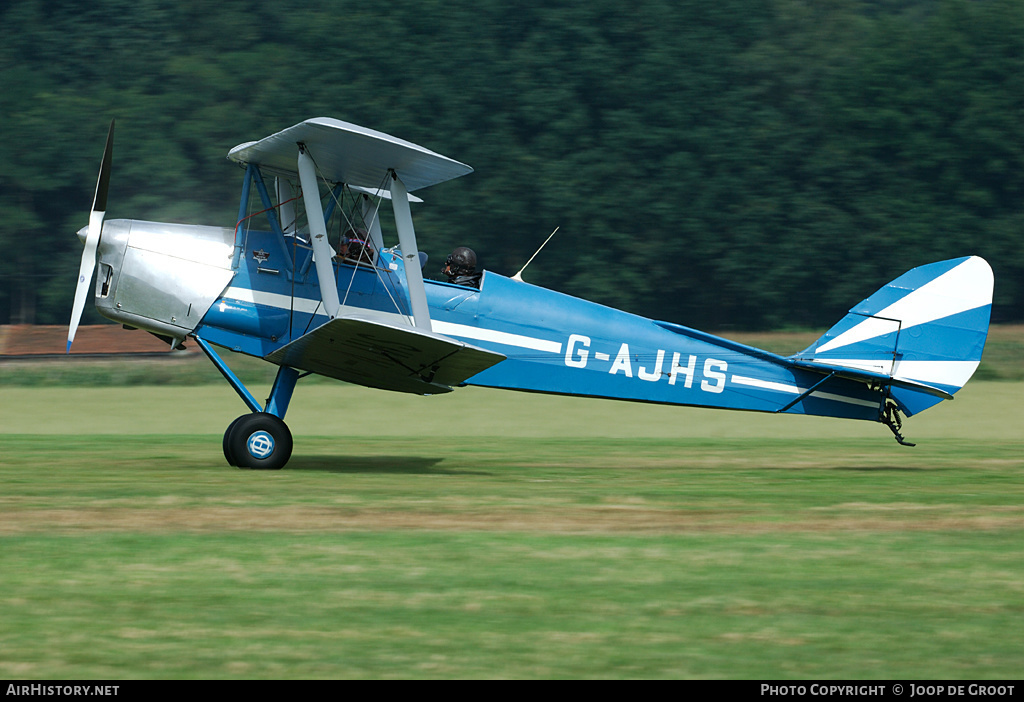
(751, 163)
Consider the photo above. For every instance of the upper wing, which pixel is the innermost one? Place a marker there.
(348, 153)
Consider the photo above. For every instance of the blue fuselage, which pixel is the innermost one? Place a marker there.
(553, 342)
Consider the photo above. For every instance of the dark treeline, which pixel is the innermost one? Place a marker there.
(735, 163)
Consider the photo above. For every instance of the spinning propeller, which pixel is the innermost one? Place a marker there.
(92, 239)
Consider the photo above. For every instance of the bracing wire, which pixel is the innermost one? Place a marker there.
(339, 205)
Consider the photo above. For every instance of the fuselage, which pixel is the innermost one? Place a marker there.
(176, 280)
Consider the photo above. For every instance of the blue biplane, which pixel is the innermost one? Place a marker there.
(307, 282)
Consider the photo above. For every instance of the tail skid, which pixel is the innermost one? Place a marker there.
(890, 417)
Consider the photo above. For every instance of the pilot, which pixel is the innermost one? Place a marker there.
(460, 267)
(354, 247)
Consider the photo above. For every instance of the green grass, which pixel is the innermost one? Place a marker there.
(490, 534)
(474, 603)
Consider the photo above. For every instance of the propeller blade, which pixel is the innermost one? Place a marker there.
(99, 200)
(92, 239)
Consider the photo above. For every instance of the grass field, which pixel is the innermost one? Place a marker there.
(489, 534)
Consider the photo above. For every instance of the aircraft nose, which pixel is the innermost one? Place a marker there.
(82, 233)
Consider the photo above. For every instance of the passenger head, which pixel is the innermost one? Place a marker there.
(461, 261)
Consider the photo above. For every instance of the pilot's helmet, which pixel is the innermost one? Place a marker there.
(461, 261)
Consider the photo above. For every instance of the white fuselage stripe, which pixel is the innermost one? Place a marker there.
(284, 302)
(463, 331)
(480, 334)
(796, 390)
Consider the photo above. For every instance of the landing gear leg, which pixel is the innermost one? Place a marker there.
(261, 439)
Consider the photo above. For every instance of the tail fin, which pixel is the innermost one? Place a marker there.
(927, 329)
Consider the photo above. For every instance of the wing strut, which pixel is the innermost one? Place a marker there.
(407, 240)
(322, 253)
(372, 221)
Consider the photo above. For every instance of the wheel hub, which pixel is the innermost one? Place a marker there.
(260, 444)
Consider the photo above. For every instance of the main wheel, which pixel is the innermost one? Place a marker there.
(260, 441)
(228, 454)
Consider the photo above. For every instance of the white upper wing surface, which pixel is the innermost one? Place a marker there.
(348, 153)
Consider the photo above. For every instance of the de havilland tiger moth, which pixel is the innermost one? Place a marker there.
(306, 281)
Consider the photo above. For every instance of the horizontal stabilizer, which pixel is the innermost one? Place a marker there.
(872, 378)
(388, 356)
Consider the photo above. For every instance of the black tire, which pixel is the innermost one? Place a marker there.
(260, 441)
(228, 454)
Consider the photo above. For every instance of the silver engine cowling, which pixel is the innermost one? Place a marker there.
(159, 276)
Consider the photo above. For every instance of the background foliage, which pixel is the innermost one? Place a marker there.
(751, 163)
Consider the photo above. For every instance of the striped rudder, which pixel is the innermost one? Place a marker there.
(928, 327)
